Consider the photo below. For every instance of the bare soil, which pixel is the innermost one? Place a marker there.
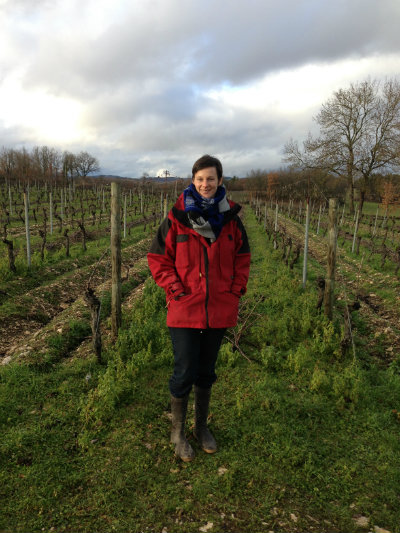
(61, 301)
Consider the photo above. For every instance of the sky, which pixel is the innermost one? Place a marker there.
(145, 85)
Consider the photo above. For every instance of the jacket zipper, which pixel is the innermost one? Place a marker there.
(206, 274)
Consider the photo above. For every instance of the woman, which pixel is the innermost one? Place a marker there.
(201, 258)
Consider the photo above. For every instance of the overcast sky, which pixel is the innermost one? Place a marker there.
(145, 85)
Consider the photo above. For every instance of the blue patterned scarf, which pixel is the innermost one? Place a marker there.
(206, 214)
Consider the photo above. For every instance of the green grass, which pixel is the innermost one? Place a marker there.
(369, 208)
(304, 432)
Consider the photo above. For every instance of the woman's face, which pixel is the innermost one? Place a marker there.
(206, 182)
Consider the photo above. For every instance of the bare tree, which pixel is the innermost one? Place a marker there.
(86, 164)
(46, 160)
(68, 164)
(258, 179)
(380, 146)
(44, 163)
(23, 164)
(359, 133)
(7, 162)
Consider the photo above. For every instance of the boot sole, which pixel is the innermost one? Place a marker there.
(208, 450)
(186, 459)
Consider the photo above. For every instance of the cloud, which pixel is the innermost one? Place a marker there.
(269, 36)
(201, 43)
(159, 82)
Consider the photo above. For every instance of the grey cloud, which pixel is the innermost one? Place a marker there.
(168, 102)
(213, 131)
(208, 43)
(265, 36)
(24, 7)
(15, 137)
(129, 51)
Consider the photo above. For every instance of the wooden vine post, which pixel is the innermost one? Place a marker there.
(331, 267)
(166, 206)
(355, 231)
(27, 229)
(265, 216)
(276, 217)
(51, 212)
(115, 259)
(124, 216)
(319, 218)
(10, 199)
(61, 204)
(307, 230)
(276, 227)
(376, 219)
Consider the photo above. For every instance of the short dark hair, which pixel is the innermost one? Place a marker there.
(207, 161)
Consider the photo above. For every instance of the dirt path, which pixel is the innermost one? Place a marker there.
(355, 277)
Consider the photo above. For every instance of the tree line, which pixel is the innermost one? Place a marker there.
(316, 184)
(44, 163)
(359, 137)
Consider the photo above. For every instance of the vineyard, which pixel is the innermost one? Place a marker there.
(368, 259)
(56, 241)
(306, 409)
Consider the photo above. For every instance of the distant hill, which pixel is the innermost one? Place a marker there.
(112, 177)
(148, 178)
(163, 180)
(153, 179)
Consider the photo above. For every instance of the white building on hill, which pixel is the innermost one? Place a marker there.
(163, 173)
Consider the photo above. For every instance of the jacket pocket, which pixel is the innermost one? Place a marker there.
(182, 258)
(226, 256)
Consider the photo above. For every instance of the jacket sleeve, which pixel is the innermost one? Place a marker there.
(161, 260)
(242, 260)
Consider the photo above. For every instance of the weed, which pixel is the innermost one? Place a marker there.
(61, 344)
(347, 386)
(228, 356)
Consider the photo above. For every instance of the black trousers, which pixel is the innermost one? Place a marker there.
(195, 355)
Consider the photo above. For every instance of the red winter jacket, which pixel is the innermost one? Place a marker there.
(212, 276)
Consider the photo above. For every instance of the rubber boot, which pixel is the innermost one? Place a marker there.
(201, 431)
(182, 447)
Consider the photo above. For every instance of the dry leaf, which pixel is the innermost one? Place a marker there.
(208, 526)
(361, 521)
